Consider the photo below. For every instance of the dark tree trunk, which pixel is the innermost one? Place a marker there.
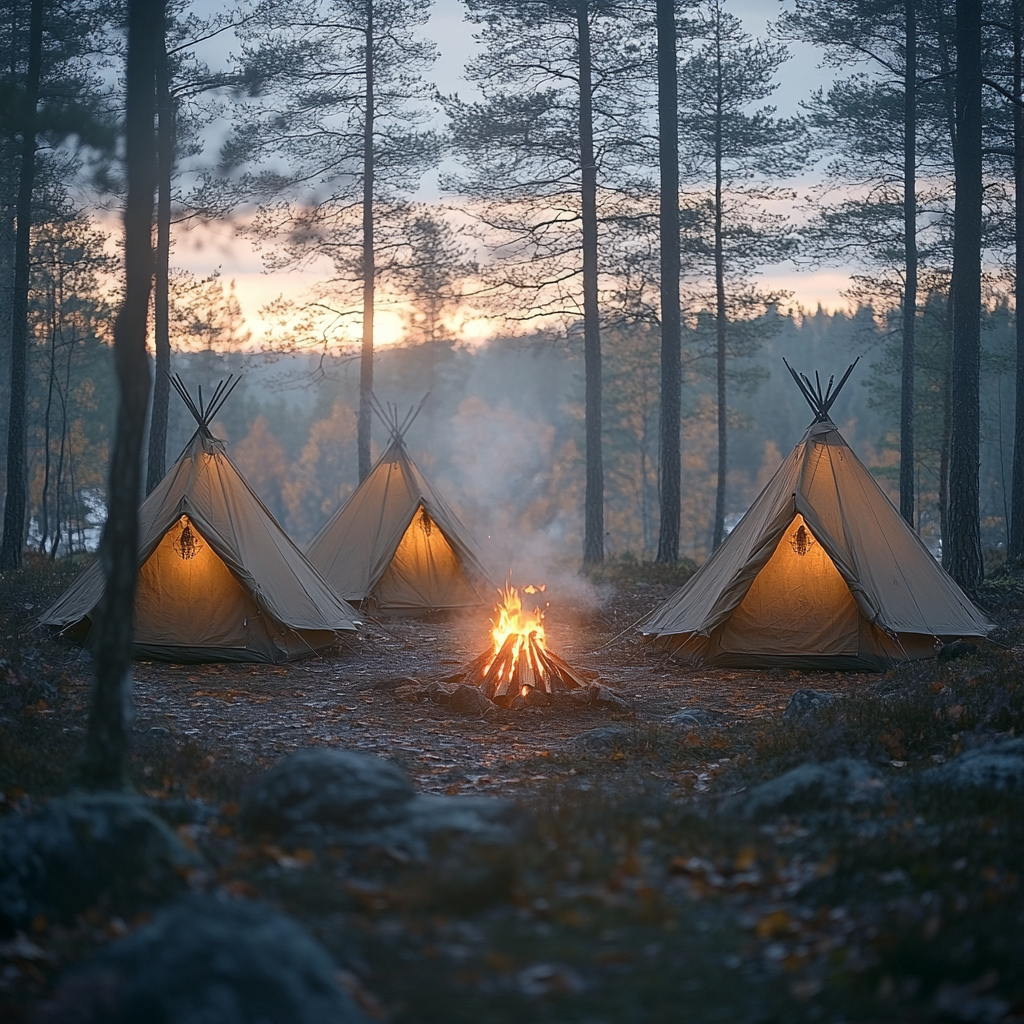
(669, 471)
(13, 542)
(44, 499)
(157, 463)
(965, 558)
(110, 712)
(721, 322)
(910, 287)
(948, 88)
(947, 417)
(1016, 546)
(369, 266)
(593, 535)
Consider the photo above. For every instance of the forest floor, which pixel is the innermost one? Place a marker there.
(645, 889)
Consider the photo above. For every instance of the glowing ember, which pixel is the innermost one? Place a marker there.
(519, 662)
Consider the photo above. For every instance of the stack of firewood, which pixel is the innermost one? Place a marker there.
(521, 665)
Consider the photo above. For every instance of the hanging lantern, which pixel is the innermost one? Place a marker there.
(187, 544)
(426, 523)
(801, 541)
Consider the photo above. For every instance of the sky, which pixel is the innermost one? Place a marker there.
(205, 249)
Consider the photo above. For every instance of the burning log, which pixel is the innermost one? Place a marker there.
(519, 663)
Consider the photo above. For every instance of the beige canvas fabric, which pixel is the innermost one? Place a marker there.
(822, 570)
(397, 545)
(246, 593)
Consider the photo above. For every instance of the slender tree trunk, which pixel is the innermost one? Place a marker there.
(593, 535)
(13, 542)
(44, 500)
(721, 321)
(369, 264)
(8, 201)
(670, 472)
(1016, 546)
(110, 712)
(965, 558)
(910, 288)
(157, 462)
(65, 443)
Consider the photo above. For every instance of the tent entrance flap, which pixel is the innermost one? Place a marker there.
(797, 603)
(424, 572)
(187, 597)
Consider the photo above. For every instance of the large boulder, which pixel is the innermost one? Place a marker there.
(80, 851)
(480, 818)
(207, 961)
(998, 766)
(814, 787)
(327, 787)
(342, 797)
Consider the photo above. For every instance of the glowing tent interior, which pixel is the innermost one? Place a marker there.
(821, 572)
(219, 580)
(395, 546)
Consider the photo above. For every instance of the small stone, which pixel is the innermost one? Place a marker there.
(604, 739)
(469, 700)
(692, 718)
(207, 960)
(806, 703)
(602, 696)
(327, 787)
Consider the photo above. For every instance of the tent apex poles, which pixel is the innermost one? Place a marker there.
(820, 402)
(389, 416)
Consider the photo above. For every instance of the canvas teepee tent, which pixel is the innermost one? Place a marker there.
(396, 545)
(821, 572)
(219, 580)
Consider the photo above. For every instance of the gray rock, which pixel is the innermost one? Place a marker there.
(692, 718)
(813, 786)
(998, 766)
(358, 801)
(806, 703)
(604, 739)
(327, 787)
(482, 818)
(605, 697)
(206, 961)
(467, 700)
(85, 850)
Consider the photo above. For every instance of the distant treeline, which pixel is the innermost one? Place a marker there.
(502, 430)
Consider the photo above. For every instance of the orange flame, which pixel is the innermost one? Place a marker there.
(511, 620)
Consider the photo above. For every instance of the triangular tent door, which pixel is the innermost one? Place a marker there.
(821, 572)
(397, 546)
(218, 579)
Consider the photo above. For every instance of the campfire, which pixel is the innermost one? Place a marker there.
(519, 664)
